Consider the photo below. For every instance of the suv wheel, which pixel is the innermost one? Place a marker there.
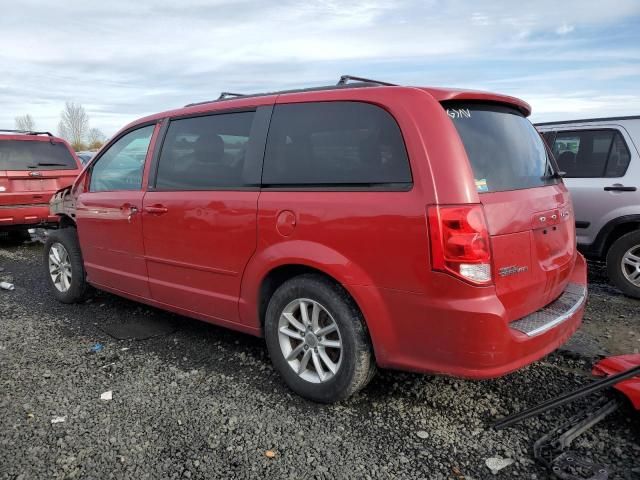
(623, 264)
(63, 265)
(317, 340)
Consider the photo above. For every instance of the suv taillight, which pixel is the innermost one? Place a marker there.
(460, 242)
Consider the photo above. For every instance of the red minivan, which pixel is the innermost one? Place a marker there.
(33, 166)
(354, 226)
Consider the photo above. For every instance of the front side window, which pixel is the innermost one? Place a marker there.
(121, 166)
(504, 149)
(208, 152)
(591, 153)
(335, 144)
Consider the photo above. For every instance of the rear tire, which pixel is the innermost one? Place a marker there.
(623, 264)
(63, 266)
(329, 374)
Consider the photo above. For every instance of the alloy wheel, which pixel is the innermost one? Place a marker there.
(310, 340)
(60, 267)
(631, 265)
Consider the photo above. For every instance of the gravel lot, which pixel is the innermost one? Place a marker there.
(197, 401)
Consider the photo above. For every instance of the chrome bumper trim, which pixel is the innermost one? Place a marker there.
(573, 297)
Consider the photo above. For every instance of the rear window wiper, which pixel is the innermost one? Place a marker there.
(47, 164)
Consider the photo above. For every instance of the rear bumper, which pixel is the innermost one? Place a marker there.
(466, 337)
(12, 216)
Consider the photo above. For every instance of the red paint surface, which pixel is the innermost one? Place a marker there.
(612, 365)
(24, 198)
(205, 254)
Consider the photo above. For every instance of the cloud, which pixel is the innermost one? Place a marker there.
(564, 29)
(123, 60)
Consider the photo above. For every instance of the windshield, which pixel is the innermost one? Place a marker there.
(35, 155)
(504, 149)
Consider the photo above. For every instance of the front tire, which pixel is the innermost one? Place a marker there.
(317, 339)
(63, 265)
(623, 264)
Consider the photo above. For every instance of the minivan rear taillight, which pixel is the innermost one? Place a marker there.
(460, 242)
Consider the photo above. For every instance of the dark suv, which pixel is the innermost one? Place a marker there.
(33, 166)
(355, 225)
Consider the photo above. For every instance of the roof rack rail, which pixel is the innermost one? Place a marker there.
(344, 79)
(30, 132)
(342, 83)
(225, 95)
(26, 132)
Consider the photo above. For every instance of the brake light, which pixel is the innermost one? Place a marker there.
(460, 242)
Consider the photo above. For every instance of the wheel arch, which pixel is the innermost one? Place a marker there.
(280, 262)
(65, 221)
(612, 231)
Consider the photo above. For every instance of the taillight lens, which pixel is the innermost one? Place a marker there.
(460, 242)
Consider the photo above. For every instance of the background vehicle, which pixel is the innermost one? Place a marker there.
(602, 165)
(354, 225)
(85, 156)
(33, 165)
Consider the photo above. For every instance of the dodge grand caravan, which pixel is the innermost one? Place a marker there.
(354, 226)
(33, 166)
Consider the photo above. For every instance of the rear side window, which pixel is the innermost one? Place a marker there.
(35, 155)
(208, 152)
(504, 149)
(335, 144)
(591, 153)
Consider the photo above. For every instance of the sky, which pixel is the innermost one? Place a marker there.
(124, 59)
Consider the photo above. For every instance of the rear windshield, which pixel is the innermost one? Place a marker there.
(35, 155)
(505, 150)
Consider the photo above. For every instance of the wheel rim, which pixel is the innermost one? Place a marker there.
(60, 267)
(631, 265)
(310, 340)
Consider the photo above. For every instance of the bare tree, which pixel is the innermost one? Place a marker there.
(95, 138)
(74, 124)
(62, 130)
(25, 122)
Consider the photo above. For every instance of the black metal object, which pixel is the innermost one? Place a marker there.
(566, 398)
(342, 83)
(344, 79)
(225, 95)
(27, 132)
(550, 450)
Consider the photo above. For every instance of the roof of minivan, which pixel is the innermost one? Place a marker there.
(439, 94)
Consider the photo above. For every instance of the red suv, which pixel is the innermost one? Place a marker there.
(354, 226)
(33, 166)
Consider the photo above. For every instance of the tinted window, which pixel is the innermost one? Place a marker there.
(35, 155)
(591, 153)
(505, 150)
(334, 143)
(121, 166)
(205, 152)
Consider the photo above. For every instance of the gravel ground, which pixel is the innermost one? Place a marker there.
(197, 401)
